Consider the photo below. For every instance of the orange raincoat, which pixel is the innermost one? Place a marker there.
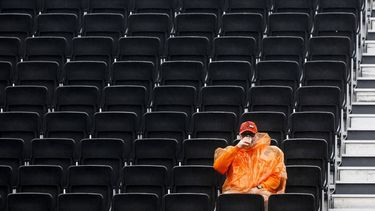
(245, 169)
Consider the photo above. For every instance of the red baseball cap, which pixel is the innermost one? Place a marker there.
(248, 126)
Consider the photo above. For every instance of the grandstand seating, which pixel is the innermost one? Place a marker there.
(121, 104)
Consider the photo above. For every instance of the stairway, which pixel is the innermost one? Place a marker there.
(355, 178)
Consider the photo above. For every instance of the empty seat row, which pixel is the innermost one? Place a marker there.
(170, 202)
(143, 179)
(178, 48)
(180, 99)
(171, 6)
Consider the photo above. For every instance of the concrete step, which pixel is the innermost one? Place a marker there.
(367, 70)
(359, 187)
(359, 202)
(355, 134)
(364, 95)
(366, 82)
(368, 58)
(369, 47)
(358, 160)
(359, 147)
(361, 122)
(356, 174)
(351, 209)
(363, 108)
(370, 34)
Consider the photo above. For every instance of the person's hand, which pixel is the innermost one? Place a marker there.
(245, 142)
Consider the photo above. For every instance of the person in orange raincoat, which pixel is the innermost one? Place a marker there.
(252, 166)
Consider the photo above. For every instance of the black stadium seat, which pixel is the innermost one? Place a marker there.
(77, 98)
(16, 25)
(80, 202)
(211, 6)
(92, 179)
(46, 49)
(135, 202)
(301, 6)
(30, 201)
(23, 125)
(5, 183)
(186, 202)
(238, 202)
(39, 73)
(112, 6)
(196, 24)
(10, 50)
(151, 179)
(105, 151)
(64, 6)
(11, 155)
(66, 124)
(292, 202)
(243, 6)
(92, 73)
(27, 98)
(234, 73)
(20, 6)
(41, 178)
(119, 125)
(189, 73)
(125, 98)
(200, 151)
(140, 73)
(6, 77)
(280, 73)
(271, 98)
(162, 6)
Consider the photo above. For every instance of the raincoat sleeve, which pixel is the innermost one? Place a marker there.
(224, 157)
(277, 180)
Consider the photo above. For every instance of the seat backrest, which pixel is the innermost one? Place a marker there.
(196, 24)
(279, 73)
(235, 48)
(307, 151)
(222, 98)
(80, 201)
(162, 6)
(112, 6)
(104, 24)
(43, 178)
(129, 98)
(188, 73)
(195, 179)
(105, 151)
(174, 98)
(273, 123)
(39, 73)
(92, 73)
(305, 179)
(140, 48)
(46, 49)
(320, 98)
(6, 77)
(72, 125)
(240, 6)
(190, 48)
(156, 151)
(30, 201)
(63, 25)
(234, 73)
(16, 25)
(141, 73)
(90, 48)
(135, 201)
(92, 179)
(353, 6)
(200, 151)
(151, 25)
(290, 201)
(77, 98)
(20, 6)
(301, 6)
(314, 125)
(53, 151)
(238, 202)
(10, 50)
(113, 124)
(211, 6)
(325, 73)
(166, 124)
(186, 201)
(271, 98)
(289, 48)
(6, 184)
(214, 124)
(151, 179)
(12, 155)
(64, 6)
(27, 98)
(23, 125)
